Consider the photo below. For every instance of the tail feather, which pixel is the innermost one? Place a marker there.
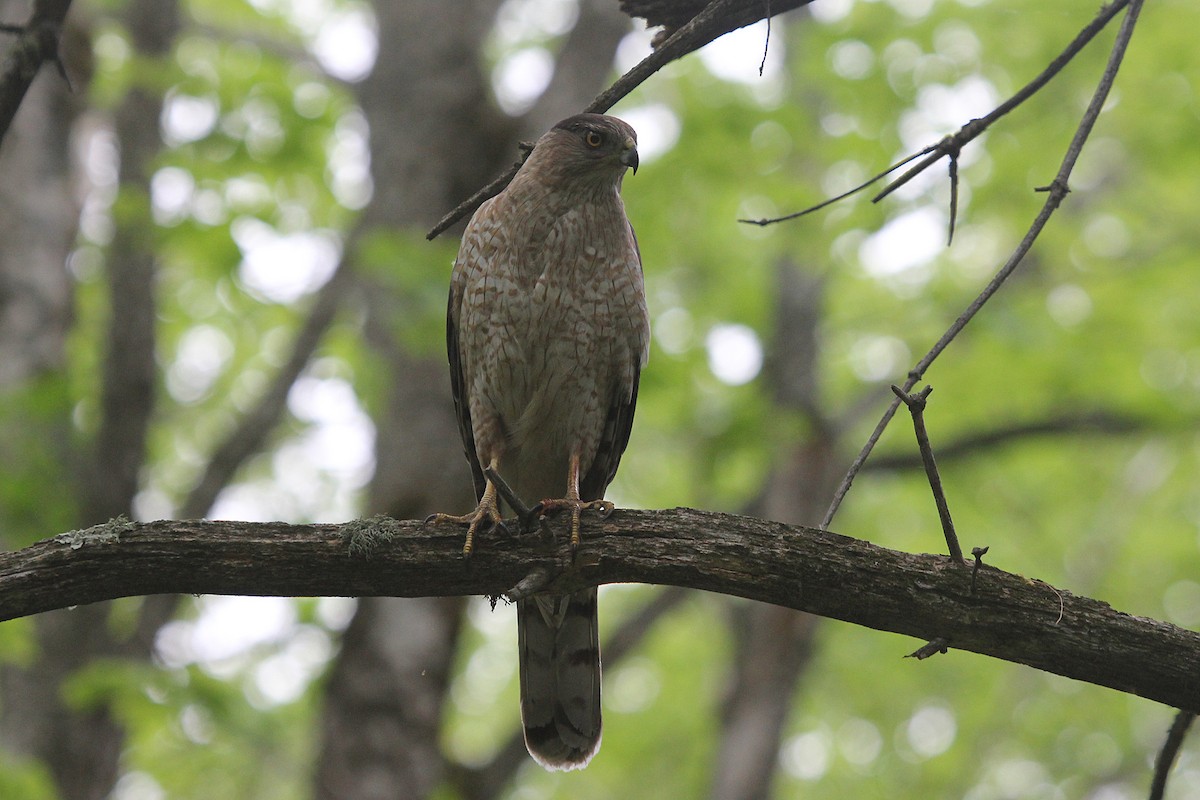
(559, 656)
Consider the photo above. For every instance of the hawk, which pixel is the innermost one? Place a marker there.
(547, 333)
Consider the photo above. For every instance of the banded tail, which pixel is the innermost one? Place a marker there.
(559, 654)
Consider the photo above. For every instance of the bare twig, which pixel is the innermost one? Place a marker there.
(762, 65)
(1170, 749)
(978, 553)
(930, 648)
(916, 407)
(951, 145)
(1057, 190)
(771, 221)
(514, 502)
(953, 196)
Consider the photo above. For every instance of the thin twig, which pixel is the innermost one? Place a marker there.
(953, 197)
(978, 553)
(762, 65)
(953, 144)
(1170, 749)
(842, 196)
(1057, 190)
(916, 407)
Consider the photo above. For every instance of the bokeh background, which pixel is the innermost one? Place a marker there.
(216, 299)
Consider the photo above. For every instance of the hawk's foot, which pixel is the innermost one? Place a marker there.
(576, 507)
(485, 512)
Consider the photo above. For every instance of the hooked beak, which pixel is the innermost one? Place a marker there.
(629, 157)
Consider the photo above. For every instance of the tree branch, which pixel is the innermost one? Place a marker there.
(36, 44)
(1170, 749)
(674, 14)
(982, 441)
(1056, 191)
(953, 144)
(713, 20)
(916, 407)
(928, 597)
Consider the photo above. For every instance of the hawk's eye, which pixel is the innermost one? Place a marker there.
(593, 139)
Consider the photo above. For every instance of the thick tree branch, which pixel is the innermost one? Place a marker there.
(1007, 616)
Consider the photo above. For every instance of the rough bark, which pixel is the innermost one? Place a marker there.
(995, 613)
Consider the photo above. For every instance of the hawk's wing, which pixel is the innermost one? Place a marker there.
(619, 421)
(462, 407)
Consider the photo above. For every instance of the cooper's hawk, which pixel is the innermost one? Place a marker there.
(547, 333)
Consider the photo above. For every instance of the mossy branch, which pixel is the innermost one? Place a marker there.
(929, 597)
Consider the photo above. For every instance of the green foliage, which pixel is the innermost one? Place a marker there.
(1102, 316)
(25, 779)
(34, 452)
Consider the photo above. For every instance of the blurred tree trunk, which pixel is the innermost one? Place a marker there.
(436, 137)
(773, 644)
(37, 227)
(81, 746)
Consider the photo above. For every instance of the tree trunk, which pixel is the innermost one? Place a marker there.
(81, 747)
(773, 644)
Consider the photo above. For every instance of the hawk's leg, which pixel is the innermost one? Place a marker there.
(572, 502)
(488, 509)
(507, 494)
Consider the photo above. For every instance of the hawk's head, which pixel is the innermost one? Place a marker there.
(599, 139)
(588, 146)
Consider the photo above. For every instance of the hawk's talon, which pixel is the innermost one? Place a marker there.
(485, 511)
(577, 507)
